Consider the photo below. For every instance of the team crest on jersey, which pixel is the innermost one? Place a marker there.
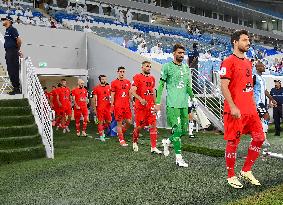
(248, 88)
(222, 71)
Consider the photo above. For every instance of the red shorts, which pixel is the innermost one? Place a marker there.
(247, 124)
(145, 116)
(122, 114)
(58, 111)
(104, 115)
(67, 110)
(81, 112)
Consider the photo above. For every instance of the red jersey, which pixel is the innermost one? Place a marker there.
(122, 93)
(145, 89)
(103, 96)
(239, 72)
(54, 94)
(64, 95)
(80, 95)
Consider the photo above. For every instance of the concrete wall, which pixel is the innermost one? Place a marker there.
(58, 48)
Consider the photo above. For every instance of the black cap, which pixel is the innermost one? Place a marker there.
(279, 81)
(9, 18)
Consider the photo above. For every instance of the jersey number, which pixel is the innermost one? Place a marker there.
(124, 94)
(181, 84)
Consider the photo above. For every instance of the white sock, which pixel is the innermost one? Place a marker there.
(191, 128)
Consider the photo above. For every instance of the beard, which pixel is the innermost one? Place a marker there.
(102, 83)
(180, 59)
(147, 72)
(243, 49)
(81, 86)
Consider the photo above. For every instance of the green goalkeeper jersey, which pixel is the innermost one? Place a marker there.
(178, 84)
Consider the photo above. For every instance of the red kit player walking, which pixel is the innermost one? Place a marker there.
(65, 105)
(143, 91)
(120, 103)
(102, 105)
(240, 114)
(80, 95)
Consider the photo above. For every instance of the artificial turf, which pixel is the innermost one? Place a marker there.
(87, 171)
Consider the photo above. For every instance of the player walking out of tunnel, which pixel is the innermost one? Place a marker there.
(240, 113)
(80, 96)
(145, 115)
(101, 105)
(65, 105)
(120, 104)
(177, 77)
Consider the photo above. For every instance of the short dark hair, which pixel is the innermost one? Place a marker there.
(59, 85)
(101, 76)
(178, 46)
(145, 62)
(121, 68)
(63, 79)
(44, 88)
(195, 45)
(53, 86)
(236, 35)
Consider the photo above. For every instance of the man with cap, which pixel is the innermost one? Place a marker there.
(12, 47)
(277, 94)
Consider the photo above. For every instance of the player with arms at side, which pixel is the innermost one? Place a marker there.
(145, 115)
(260, 94)
(178, 79)
(101, 105)
(65, 105)
(80, 96)
(120, 104)
(240, 113)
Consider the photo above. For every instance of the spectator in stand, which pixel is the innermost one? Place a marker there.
(69, 9)
(121, 17)
(10, 4)
(18, 6)
(28, 13)
(53, 24)
(87, 29)
(18, 21)
(156, 49)
(142, 48)
(129, 16)
(9, 11)
(19, 12)
(100, 9)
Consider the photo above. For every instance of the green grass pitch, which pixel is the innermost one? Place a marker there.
(87, 171)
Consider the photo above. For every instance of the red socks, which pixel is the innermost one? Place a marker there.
(153, 136)
(230, 156)
(77, 125)
(253, 153)
(100, 128)
(120, 134)
(136, 133)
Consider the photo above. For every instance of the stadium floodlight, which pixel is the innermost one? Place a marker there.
(263, 21)
(273, 20)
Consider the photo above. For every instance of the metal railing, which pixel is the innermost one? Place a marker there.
(41, 109)
(209, 97)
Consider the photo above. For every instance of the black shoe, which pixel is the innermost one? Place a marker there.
(277, 134)
(15, 91)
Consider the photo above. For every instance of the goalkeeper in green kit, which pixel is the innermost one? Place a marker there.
(177, 77)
